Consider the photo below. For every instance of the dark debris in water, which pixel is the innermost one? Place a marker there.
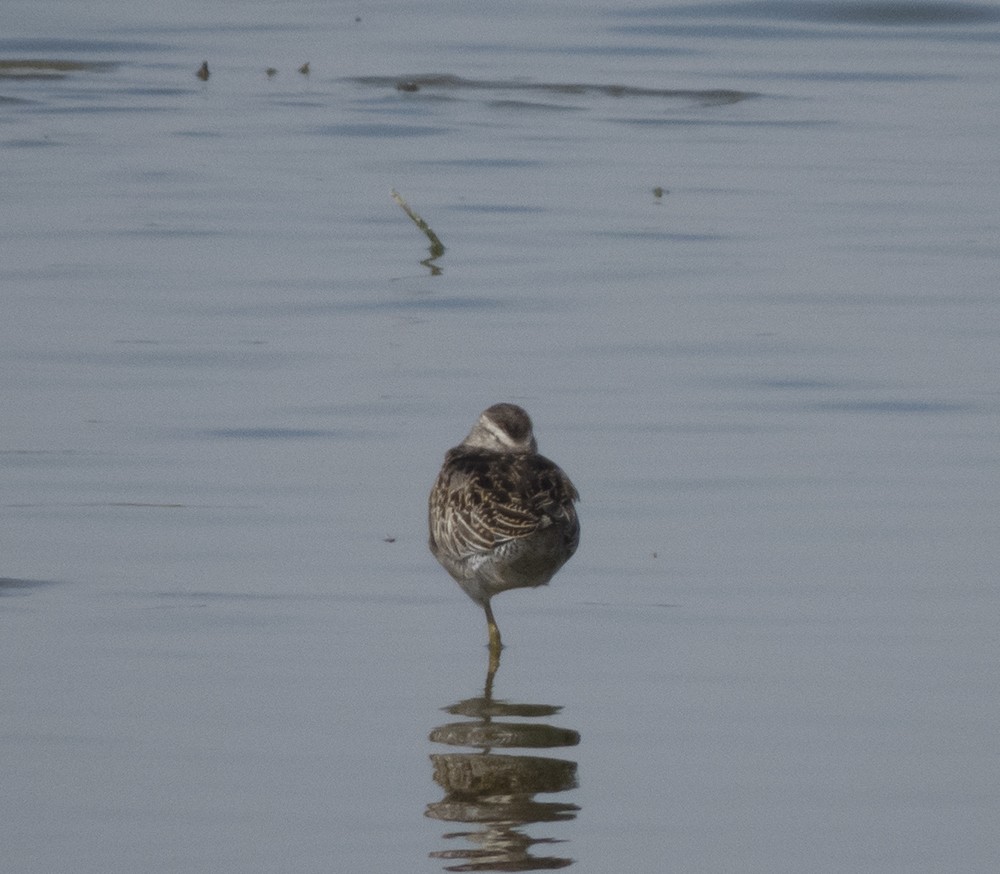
(38, 68)
(271, 433)
(442, 81)
(15, 586)
(880, 12)
(436, 247)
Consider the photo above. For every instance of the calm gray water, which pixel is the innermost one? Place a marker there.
(739, 260)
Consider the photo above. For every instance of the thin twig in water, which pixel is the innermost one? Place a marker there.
(437, 247)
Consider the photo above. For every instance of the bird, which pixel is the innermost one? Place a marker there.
(500, 515)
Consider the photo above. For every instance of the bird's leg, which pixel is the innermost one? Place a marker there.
(495, 644)
(491, 623)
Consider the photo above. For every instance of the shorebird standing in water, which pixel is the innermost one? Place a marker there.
(501, 515)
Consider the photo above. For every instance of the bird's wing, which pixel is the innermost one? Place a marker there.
(483, 501)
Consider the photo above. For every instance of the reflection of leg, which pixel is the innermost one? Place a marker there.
(491, 672)
(495, 644)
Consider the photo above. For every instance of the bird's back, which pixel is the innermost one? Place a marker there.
(502, 520)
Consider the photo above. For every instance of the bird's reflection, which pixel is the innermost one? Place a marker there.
(494, 792)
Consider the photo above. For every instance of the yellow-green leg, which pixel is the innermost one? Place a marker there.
(495, 644)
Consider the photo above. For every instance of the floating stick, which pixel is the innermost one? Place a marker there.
(437, 247)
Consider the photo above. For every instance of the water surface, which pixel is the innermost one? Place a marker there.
(739, 261)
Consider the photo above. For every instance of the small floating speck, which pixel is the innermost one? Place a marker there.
(407, 86)
(388, 539)
(304, 69)
(271, 72)
(203, 73)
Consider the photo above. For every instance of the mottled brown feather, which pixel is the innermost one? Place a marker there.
(486, 499)
(501, 516)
